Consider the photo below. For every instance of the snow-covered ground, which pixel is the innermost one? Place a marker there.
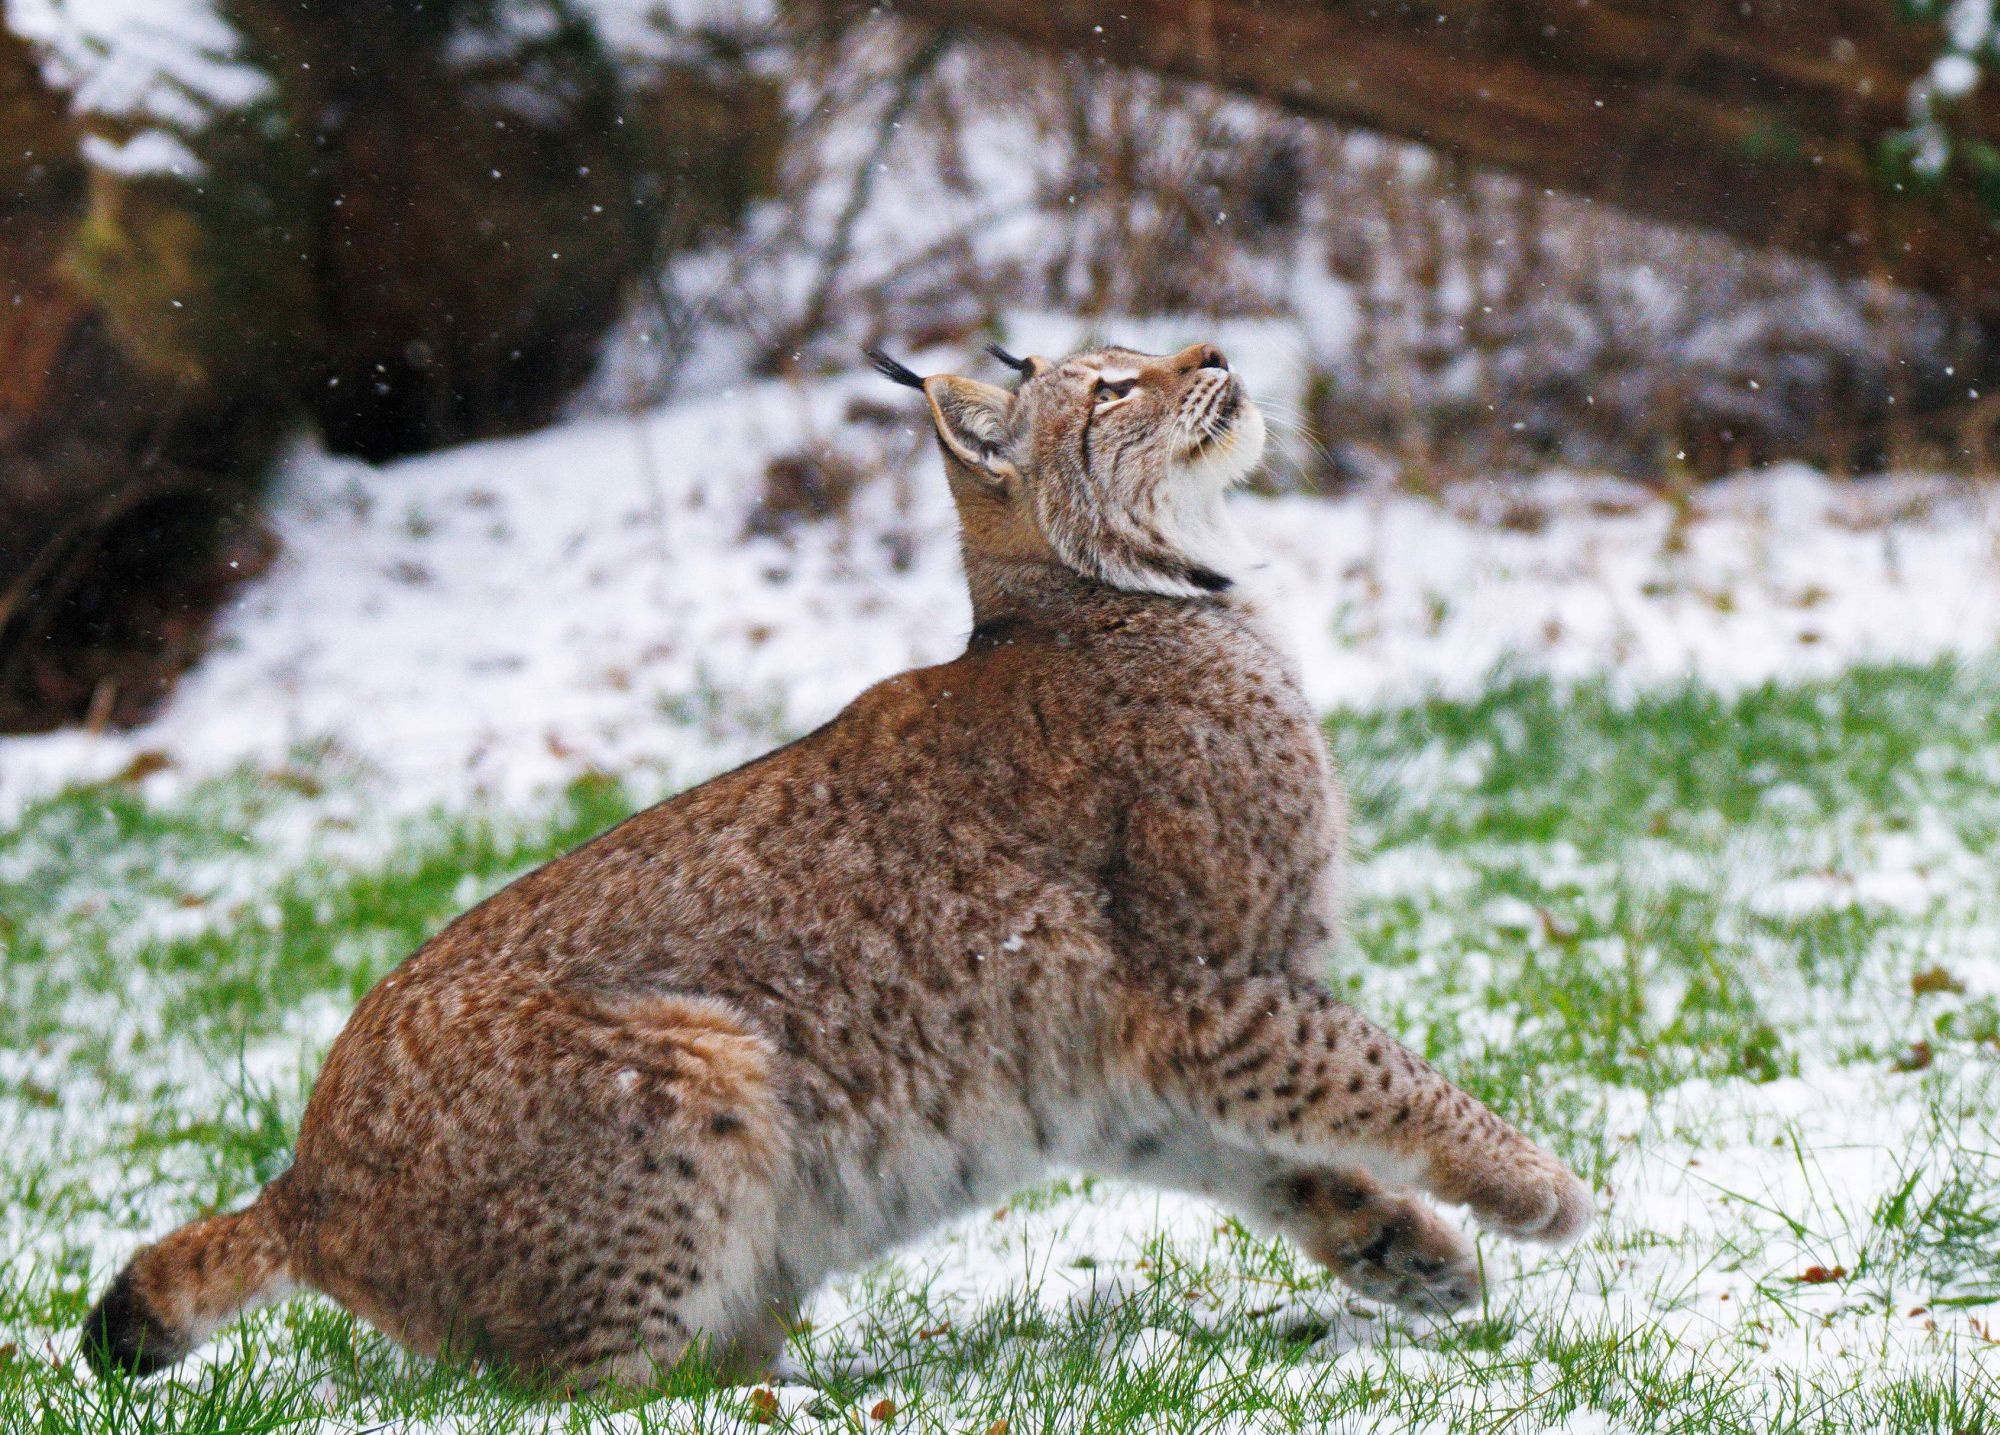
(489, 623)
(498, 619)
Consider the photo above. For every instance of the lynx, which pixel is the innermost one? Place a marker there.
(1058, 903)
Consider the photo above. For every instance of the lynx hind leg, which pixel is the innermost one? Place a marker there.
(753, 1353)
(742, 1352)
(695, 1217)
(618, 1215)
(1389, 1246)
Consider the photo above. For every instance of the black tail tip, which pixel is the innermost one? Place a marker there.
(122, 1335)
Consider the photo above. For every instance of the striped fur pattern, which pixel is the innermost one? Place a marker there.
(1060, 902)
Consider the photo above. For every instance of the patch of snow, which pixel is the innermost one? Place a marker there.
(653, 30)
(165, 66)
(1954, 76)
(497, 620)
(148, 152)
(1969, 23)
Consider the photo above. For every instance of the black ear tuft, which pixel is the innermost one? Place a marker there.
(1024, 367)
(1206, 579)
(896, 373)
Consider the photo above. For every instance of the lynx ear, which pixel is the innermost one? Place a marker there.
(974, 420)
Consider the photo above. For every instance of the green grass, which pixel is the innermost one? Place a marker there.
(1674, 934)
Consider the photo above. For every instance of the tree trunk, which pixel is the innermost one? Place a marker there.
(123, 491)
(1764, 121)
(407, 241)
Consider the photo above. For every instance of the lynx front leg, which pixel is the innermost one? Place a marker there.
(1281, 1066)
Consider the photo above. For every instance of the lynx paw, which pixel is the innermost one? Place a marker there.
(1391, 1248)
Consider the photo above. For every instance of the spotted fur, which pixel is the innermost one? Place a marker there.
(1059, 902)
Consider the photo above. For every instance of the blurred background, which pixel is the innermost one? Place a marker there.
(254, 253)
(431, 428)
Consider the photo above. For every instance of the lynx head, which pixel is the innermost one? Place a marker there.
(1110, 462)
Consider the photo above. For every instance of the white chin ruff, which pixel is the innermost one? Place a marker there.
(1190, 516)
(1233, 457)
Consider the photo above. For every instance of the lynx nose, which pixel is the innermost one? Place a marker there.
(1204, 356)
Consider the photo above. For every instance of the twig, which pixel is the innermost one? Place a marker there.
(908, 83)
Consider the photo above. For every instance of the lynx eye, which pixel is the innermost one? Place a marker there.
(1113, 388)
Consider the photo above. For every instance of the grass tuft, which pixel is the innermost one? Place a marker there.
(1734, 956)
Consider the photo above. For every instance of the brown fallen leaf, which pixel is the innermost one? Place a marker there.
(292, 780)
(7, 1354)
(1916, 1058)
(1933, 980)
(143, 765)
(883, 1410)
(1554, 929)
(998, 1427)
(1820, 1275)
(763, 1406)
